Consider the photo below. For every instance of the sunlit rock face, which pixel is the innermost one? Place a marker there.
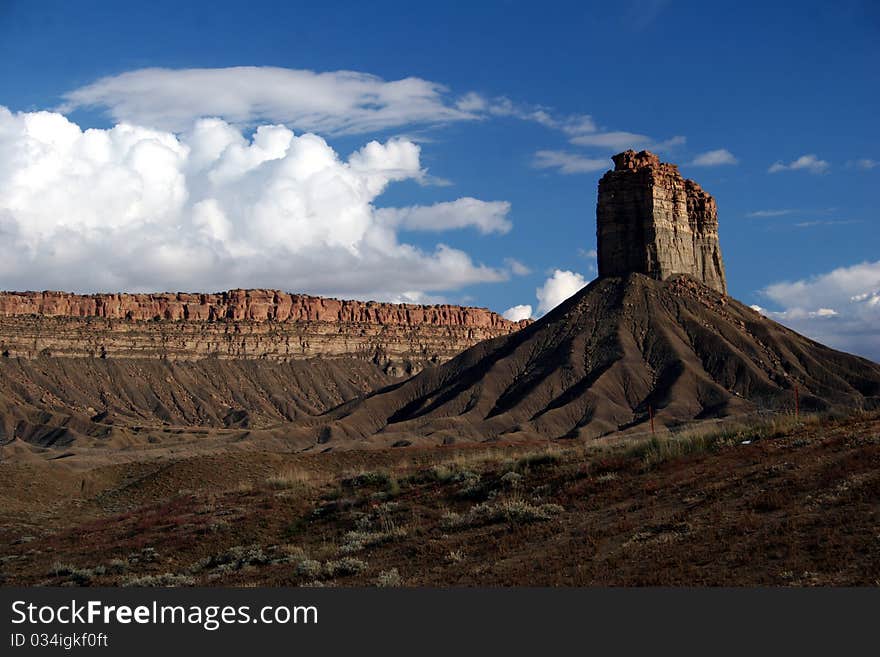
(651, 220)
(240, 324)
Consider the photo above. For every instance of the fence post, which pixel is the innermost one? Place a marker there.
(797, 401)
(651, 416)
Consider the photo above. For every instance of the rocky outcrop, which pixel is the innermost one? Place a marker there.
(651, 220)
(252, 305)
(240, 324)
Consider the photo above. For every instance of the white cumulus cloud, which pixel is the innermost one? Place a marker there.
(809, 163)
(560, 286)
(517, 313)
(139, 209)
(840, 308)
(714, 158)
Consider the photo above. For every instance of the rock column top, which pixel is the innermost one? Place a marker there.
(650, 220)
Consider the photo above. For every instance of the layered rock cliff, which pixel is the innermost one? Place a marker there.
(239, 324)
(650, 220)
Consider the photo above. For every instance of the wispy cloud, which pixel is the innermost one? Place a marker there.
(570, 124)
(620, 140)
(641, 14)
(486, 216)
(331, 102)
(827, 222)
(714, 158)
(568, 163)
(865, 163)
(516, 267)
(809, 163)
(591, 256)
(770, 213)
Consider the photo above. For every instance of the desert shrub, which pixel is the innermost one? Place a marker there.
(512, 479)
(290, 477)
(512, 511)
(163, 580)
(358, 540)
(389, 578)
(343, 567)
(379, 516)
(117, 566)
(235, 558)
(75, 574)
(238, 557)
(392, 491)
(450, 473)
(308, 568)
(455, 556)
(62, 569)
(146, 555)
(451, 520)
(373, 479)
(537, 460)
(472, 487)
(242, 556)
(333, 507)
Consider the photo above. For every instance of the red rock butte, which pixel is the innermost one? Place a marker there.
(650, 220)
(243, 305)
(240, 324)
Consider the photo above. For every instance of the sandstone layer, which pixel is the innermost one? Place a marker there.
(650, 220)
(240, 324)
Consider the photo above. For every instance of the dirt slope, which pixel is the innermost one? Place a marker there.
(597, 362)
(53, 401)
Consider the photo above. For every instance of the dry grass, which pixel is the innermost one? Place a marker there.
(292, 477)
(513, 511)
(664, 447)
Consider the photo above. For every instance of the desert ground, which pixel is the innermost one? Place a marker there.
(779, 501)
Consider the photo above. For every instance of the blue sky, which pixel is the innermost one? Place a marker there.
(513, 106)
